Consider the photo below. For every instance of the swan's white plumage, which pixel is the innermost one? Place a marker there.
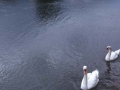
(92, 80)
(117, 52)
(112, 55)
(84, 67)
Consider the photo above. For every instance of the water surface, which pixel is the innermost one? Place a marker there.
(44, 44)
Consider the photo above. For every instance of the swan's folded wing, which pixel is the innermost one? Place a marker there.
(114, 55)
(93, 79)
(88, 75)
(96, 72)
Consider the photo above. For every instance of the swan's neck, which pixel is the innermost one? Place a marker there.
(85, 81)
(109, 54)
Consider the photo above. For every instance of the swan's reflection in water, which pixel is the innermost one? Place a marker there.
(109, 68)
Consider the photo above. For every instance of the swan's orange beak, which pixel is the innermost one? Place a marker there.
(85, 71)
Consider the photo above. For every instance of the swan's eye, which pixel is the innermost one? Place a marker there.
(84, 69)
(107, 48)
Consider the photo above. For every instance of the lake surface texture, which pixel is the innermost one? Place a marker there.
(44, 44)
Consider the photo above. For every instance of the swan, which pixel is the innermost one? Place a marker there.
(89, 80)
(111, 55)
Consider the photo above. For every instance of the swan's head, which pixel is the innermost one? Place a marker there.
(85, 69)
(108, 48)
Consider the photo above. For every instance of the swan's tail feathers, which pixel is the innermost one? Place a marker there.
(118, 51)
(97, 72)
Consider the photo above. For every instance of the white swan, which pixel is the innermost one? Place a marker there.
(89, 80)
(111, 55)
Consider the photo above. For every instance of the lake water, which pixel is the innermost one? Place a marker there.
(45, 43)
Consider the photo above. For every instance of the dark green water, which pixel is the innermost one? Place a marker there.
(44, 44)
